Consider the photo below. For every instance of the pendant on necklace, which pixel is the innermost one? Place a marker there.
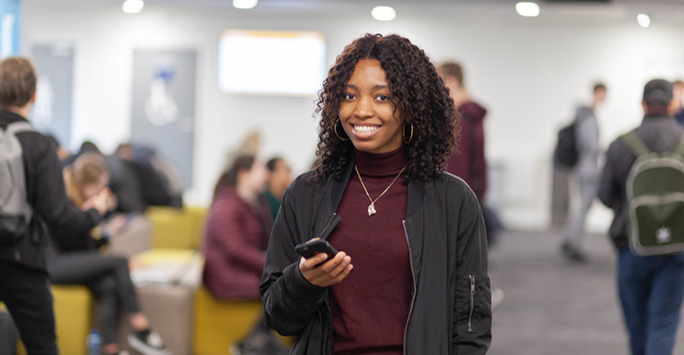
(371, 209)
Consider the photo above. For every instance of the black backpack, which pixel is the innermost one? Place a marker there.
(565, 152)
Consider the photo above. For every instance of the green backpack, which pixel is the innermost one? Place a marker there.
(655, 197)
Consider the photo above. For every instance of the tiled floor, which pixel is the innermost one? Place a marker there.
(552, 307)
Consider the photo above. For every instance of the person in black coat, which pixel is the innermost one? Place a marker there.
(410, 276)
(24, 280)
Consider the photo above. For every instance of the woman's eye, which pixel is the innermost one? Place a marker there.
(384, 98)
(349, 96)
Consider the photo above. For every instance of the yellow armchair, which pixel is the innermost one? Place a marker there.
(174, 228)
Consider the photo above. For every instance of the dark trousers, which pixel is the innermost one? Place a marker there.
(651, 291)
(26, 293)
(107, 277)
(8, 335)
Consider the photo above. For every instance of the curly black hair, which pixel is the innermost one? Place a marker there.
(417, 89)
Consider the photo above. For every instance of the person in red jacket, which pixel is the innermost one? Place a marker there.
(469, 162)
(235, 241)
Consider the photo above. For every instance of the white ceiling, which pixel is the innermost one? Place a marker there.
(666, 11)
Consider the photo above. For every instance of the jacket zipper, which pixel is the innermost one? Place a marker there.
(328, 331)
(413, 277)
(472, 302)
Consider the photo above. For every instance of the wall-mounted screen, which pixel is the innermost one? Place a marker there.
(271, 62)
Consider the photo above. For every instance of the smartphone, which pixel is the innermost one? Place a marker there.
(314, 247)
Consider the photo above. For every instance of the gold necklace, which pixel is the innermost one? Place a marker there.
(371, 207)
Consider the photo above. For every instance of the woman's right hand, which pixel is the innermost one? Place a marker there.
(329, 272)
(98, 202)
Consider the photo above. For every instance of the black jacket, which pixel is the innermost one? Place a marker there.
(659, 134)
(446, 236)
(47, 196)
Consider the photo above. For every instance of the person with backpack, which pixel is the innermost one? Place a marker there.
(32, 202)
(586, 174)
(642, 182)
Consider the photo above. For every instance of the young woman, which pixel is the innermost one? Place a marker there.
(412, 234)
(235, 242)
(108, 277)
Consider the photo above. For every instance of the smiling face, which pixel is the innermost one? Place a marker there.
(368, 113)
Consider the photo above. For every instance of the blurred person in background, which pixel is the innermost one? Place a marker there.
(153, 185)
(651, 288)
(167, 170)
(469, 162)
(676, 107)
(278, 180)
(77, 261)
(586, 175)
(123, 181)
(39, 185)
(235, 241)
(413, 235)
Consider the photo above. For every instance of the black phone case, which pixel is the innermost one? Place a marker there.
(310, 249)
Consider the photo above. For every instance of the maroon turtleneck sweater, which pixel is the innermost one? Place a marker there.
(370, 307)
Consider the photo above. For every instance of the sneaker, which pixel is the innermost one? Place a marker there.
(573, 254)
(148, 343)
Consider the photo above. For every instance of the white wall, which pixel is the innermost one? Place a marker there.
(530, 73)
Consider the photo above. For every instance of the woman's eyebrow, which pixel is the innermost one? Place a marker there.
(375, 87)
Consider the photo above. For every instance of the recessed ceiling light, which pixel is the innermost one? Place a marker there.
(133, 6)
(383, 13)
(643, 20)
(245, 4)
(527, 9)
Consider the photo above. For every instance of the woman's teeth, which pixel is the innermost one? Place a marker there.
(365, 129)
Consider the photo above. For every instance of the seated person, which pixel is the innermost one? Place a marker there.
(235, 240)
(278, 180)
(78, 262)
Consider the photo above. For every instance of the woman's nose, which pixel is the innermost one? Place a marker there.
(363, 108)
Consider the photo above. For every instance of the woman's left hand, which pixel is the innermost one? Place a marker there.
(330, 272)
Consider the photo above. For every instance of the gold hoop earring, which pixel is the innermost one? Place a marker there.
(403, 134)
(337, 134)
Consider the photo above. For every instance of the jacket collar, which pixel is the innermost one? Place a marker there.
(650, 118)
(416, 190)
(7, 117)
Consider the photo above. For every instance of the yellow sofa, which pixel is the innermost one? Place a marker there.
(73, 317)
(218, 324)
(174, 228)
